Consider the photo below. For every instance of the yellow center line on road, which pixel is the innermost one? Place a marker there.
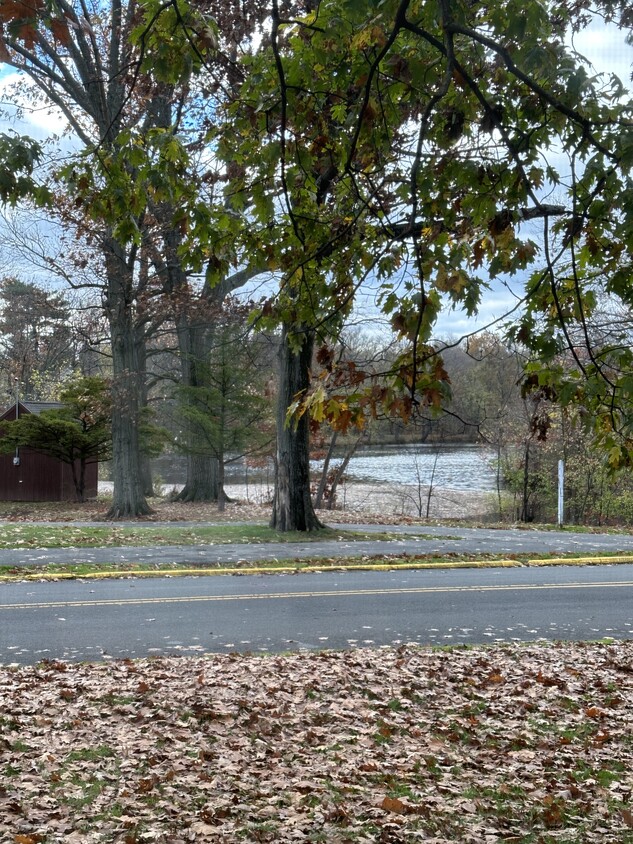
(342, 593)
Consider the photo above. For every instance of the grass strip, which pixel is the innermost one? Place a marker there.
(69, 536)
(291, 569)
(101, 571)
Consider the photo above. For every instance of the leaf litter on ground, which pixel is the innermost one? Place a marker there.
(512, 744)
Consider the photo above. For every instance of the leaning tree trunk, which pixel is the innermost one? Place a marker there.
(128, 500)
(292, 503)
(339, 473)
(325, 471)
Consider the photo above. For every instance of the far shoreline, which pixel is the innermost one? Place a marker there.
(386, 500)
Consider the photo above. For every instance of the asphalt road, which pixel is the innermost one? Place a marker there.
(445, 540)
(77, 620)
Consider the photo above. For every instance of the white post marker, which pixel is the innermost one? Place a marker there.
(561, 492)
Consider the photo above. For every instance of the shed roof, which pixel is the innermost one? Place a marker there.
(35, 407)
(39, 406)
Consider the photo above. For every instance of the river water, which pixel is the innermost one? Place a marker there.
(459, 467)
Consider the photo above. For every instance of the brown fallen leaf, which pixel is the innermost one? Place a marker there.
(202, 828)
(306, 786)
(594, 712)
(393, 804)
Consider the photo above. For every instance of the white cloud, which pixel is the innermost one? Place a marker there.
(19, 113)
(605, 47)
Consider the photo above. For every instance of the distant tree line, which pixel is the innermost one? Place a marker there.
(46, 354)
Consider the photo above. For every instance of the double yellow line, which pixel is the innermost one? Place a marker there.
(338, 593)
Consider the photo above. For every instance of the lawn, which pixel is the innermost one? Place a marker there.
(80, 536)
(514, 744)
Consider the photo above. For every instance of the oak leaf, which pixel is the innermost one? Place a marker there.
(393, 804)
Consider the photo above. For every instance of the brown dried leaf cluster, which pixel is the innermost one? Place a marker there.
(168, 511)
(172, 511)
(510, 744)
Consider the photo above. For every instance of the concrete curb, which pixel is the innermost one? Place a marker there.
(293, 569)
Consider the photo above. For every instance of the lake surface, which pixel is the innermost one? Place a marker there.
(460, 467)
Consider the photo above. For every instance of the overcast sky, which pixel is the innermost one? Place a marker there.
(607, 51)
(604, 47)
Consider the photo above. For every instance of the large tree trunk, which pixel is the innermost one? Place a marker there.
(147, 482)
(145, 468)
(128, 500)
(202, 479)
(78, 471)
(292, 503)
(194, 342)
(195, 338)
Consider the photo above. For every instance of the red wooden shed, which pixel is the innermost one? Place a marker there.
(30, 476)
